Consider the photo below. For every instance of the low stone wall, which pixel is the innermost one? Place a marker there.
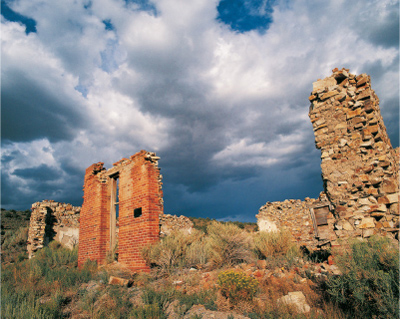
(51, 220)
(172, 223)
(295, 216)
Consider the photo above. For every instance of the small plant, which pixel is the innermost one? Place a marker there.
(236, 285)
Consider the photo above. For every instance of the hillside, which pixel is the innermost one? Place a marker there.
(227, 272)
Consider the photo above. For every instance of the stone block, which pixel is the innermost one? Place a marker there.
(118, 281)
(367, 222)
(389, 199)
(388, 187)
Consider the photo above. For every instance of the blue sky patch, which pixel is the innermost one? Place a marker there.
(143, 5)
(82, 89)
(108, 25)
(11, 15)
(246, 15)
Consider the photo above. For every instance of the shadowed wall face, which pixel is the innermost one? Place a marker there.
(139, 202)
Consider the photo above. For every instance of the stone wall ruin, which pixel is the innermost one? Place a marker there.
(51, 220)
(360, 168)
(302, 218)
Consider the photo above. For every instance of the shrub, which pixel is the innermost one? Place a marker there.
(369, 284)
(17, 238)
(236, 285)
(172, 251)
(228, 245)
(274, 243)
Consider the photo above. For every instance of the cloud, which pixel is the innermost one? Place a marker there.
(223, 99)
(40, 173)
(38, 99)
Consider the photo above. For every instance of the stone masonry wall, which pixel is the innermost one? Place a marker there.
(295, 216)
(51, 220)
(140, 205)
(173, 223)
(359, 166)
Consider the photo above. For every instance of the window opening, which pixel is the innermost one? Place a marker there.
(137, 212)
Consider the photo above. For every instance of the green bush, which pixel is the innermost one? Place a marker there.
(369, 284)
(236, 285)
(229, 245)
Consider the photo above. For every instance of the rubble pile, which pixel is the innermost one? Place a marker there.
(172, 223)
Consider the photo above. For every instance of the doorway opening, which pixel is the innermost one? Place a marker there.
(114, 217)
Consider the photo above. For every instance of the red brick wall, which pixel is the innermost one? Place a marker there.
(139, 187)
(94, 219)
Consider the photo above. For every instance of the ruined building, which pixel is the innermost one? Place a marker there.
(53, 221)
(122, 212)
(359, 166)
(360, 172)
(131, 188)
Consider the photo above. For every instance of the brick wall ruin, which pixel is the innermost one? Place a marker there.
(133, 188)
(359, 168)
(51, 220)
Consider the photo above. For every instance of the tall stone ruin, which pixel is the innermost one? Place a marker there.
(360, 168)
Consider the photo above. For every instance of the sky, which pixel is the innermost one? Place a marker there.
(218, 89)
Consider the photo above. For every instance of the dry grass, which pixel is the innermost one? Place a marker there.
(229, 245)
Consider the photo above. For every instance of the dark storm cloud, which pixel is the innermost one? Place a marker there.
(386, 31)
(30, 111)
(40, 173)
(40, 183)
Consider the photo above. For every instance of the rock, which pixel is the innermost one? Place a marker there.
(347, 226)
(261, 264)
(368, 232)
(118, 281)
(389, 199)
(388, 187)
(295, 299)
(368, 222)
(335, 270)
